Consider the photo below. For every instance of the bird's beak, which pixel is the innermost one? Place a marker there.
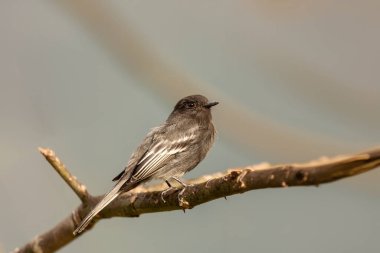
(211, 104)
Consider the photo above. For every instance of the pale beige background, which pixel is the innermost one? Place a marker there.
(295, 80)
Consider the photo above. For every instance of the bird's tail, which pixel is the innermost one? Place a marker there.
(102, 204)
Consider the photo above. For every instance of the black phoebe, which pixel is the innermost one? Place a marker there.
(167, 152)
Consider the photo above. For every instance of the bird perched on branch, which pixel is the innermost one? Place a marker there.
(167, 152)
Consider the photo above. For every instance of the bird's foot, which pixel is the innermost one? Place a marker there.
(181, 201)
(163, 193)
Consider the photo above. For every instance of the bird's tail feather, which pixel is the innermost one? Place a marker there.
(102, 204)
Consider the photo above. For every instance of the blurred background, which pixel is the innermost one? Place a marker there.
(296, 80)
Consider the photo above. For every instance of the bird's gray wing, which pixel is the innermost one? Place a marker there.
(139, 153)
(159, 155)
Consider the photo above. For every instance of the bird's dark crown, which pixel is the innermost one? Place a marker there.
(195, 107)
(193, 102)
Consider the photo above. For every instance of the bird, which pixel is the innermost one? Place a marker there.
(167, 152)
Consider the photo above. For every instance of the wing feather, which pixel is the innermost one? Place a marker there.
(158, 156)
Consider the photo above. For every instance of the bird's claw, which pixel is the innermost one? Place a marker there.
(164, 193)
(181, 201)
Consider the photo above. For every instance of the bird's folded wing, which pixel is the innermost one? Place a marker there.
(159, 155)
(155, 159)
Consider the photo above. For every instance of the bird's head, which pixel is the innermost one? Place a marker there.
(194, 106)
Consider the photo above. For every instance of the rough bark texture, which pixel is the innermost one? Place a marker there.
(238, 180)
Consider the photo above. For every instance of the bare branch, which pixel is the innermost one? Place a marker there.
(52, 240)
(238, 180)
(79, 188)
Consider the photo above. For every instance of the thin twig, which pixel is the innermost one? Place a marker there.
(79, 188)
(238, 180)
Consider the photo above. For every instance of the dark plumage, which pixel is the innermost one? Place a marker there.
(167, 152)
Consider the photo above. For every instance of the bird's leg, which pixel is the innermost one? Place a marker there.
(180, 181)
(180, 199)
(164, 192)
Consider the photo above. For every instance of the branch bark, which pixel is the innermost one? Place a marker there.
(79, 188)
(238, 180)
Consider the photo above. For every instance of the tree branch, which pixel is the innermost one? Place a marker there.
(79, 189)
(238, 180)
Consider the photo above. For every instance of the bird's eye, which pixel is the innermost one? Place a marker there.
(190, 105)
